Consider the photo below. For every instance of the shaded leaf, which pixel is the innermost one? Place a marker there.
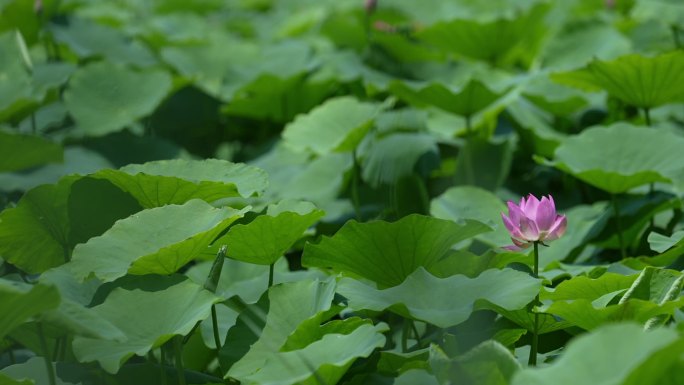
(489, 363)
(425, 297)
(19, 302)
(22, 151)
(387, 253)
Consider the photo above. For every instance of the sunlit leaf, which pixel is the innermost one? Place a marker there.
(146, 318)
(154, 241)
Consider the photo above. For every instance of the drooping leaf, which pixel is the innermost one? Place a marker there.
(19, 302)
(387, 253)
(484, 163)
(146, 318)
(34, 235)
(154, 241)
(20, 151)
(661, 243)
(335, 126)
(105, 97)
(318, 360)
(470, 202)
(425, 297)
(640, 81)
(290, 305)
(489, 363)
(620, 157)
(267, 237)
(177, 181)
(609, 355)
(387, 159)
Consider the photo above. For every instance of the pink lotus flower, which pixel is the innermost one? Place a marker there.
(533, 221)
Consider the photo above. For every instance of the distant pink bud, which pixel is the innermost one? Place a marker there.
(370, 5)
(533, 220)
(382, 26)
(38, 6)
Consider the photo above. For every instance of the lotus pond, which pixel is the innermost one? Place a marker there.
(268, 192)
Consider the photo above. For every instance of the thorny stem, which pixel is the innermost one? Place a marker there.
(535, 332)
(618, 224)
(46, 355)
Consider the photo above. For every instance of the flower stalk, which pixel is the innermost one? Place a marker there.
(532, 361)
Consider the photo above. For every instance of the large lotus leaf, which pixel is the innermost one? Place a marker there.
(470, 202)
(583, 287)
(489, 363)
(20, 151)
(6, 380)
(177, 181)
(154, 241)
(425, 297)
(640, 81)
(387, 159)
(336, 125)
(502, 41)
(661, 243)
(387, 253)
(89, 39)
(34, 235)
(266, 238)
(104, 97)
(589, 315)
(19, 302)
(290, 305)
(77, 160)
(609, 355)
(326, 359)
(620, 157)
(146, 318)
(467, 100)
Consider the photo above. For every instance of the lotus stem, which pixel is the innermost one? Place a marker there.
(46, 355)
(217, 338)
(162, 371)
(271, 273)
(404, 335)
(356, 200)
(618, 224)
(532, 361)
(675, 36)
(178, 353)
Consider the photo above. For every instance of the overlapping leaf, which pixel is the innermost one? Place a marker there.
(387, 253)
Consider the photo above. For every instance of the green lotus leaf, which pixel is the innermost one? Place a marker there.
(488, 363)
(154, 241)
(33, 371)
(470, 202)
(467, 100)
(21, 151)
(177, 181)
(609, 355)
(19, 302)
(15, 80)
(317, 361)
(387, 253)
(290, 304)
(34, 235)
(88, 39)
(640, 81)
(583, 287)
(387, 159)
(147, 319)
(337, 125)
(425, 297)
(6, 380)
(620, 157)
(266, 238)
(104, 97)
(502, 41)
